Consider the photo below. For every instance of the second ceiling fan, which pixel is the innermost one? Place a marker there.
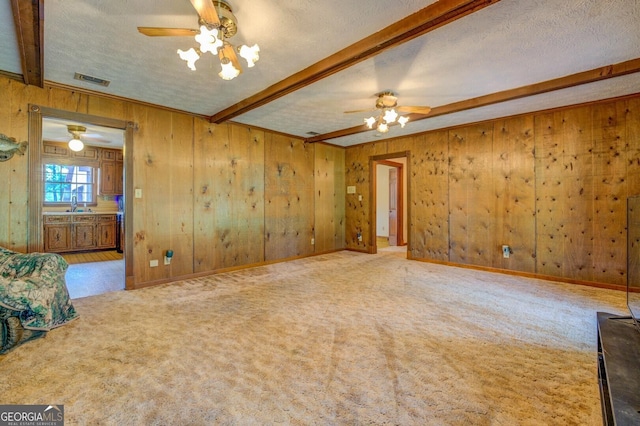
(387, 105)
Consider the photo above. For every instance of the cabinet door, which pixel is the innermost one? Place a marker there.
(107, 178)
(88, 152)
(57, 238)
(106, 235)
(119, 178)
(55, 149)
(84, 238)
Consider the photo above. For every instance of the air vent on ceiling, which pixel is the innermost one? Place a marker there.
(89, 79)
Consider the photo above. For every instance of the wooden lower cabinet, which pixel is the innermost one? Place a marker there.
(57, 238)
(84, 237)
(106, 233)
(79, 232)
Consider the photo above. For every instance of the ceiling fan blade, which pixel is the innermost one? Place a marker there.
(160, 31)
(417, 109)
(361, 110)
(207, 11)
(229, 52)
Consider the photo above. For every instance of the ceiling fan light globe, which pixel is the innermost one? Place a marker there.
(76, 145)
(390, 115)
(250, 54)
(209, 40)
(383, 128)
(403, 120)
(190, 56)
(370, 122)
(229, 72)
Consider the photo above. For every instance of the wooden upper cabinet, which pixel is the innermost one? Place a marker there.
(111, 172)
(109, 154)
(107, 178)
(119, 177)
(55, 149)
(89, 152)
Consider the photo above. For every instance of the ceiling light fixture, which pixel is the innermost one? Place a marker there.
(75, 144)
(213, 38)
(387, 108)
(386, 117)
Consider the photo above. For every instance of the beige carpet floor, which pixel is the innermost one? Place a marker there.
(338, 339)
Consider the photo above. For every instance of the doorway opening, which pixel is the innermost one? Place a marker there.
(83, 277)
(390, 203)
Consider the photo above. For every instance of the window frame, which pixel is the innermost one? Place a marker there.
(75, 163)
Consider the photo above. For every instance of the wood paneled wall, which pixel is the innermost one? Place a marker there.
(551, 185)
(220, 196)
(357, 211)
(330, 191)
(289, 181)
(429, 213)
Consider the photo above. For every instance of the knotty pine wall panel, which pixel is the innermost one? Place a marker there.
(179, 164)
(610, 192)
(564, 191)
(289, 189)
(472, 217)
(633, 145)
(239, 154)
(330, 195)
(358, 212)
(204, 176)
(152, 171)
(429, 193)
(106, 107)
(14, 187)
(514, 193)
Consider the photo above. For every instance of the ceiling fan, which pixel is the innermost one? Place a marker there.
(387, 105)
(217, 25)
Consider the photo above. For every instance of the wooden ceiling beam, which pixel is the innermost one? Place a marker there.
(590, 76)
(437, 14)
(28, 17)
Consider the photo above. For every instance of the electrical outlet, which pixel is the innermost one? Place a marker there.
(153, 263)
(506, 251)
(313, 241)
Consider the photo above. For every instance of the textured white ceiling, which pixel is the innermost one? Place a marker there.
(506, 45)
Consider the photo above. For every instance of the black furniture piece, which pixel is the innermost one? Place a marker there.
(619, 369)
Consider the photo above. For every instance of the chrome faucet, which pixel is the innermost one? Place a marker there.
(74, 203)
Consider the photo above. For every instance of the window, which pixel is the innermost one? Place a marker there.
(64, 181)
